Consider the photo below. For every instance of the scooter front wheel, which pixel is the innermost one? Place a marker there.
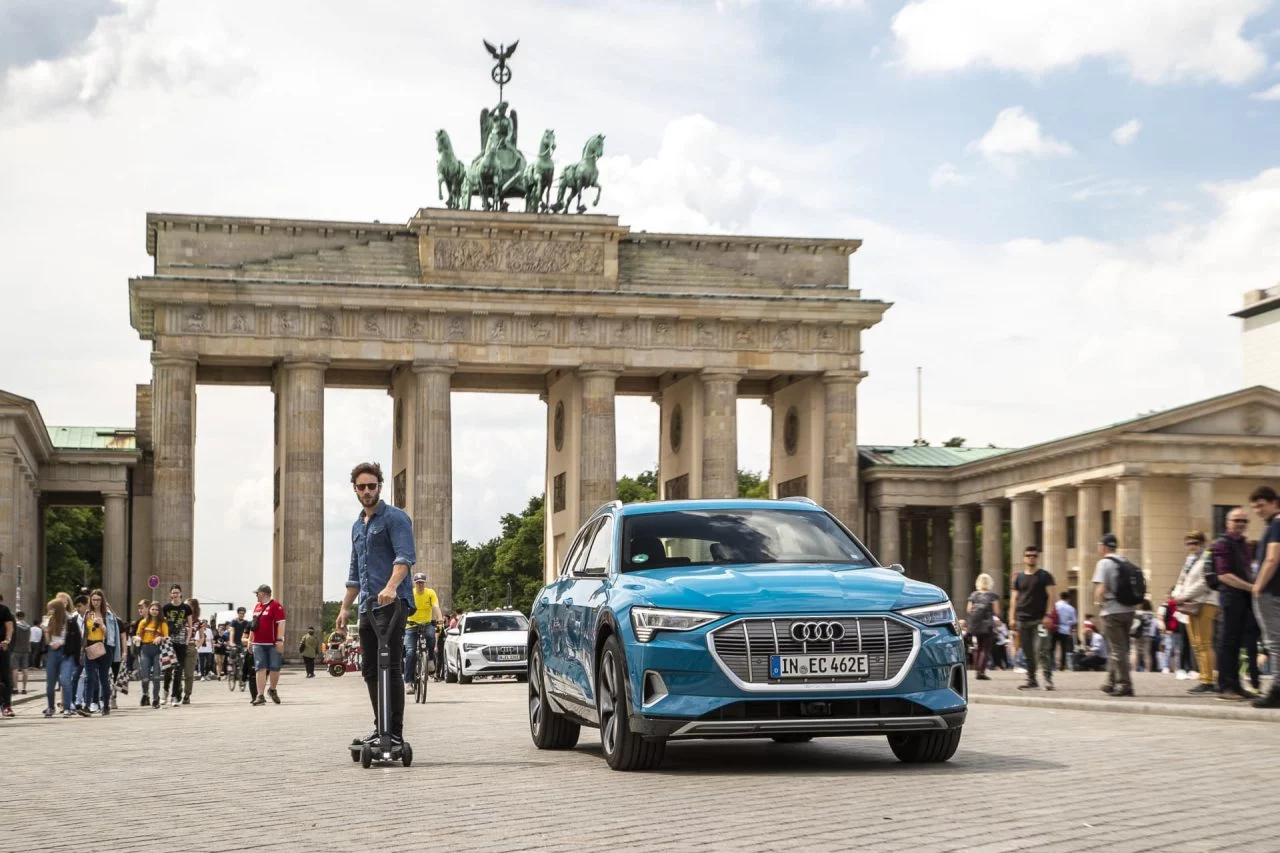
(366, 756)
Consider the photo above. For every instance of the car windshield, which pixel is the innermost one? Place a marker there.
(495, 622)
(736, 537)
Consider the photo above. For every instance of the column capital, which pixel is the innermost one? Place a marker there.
(445, 366)
(1025, 497)
(722, 373)
(854, 376)
(961, 510)
(173, 359)
(106, 496)
(997, 503)
(890, 507)
(319, 362)
(1202, 478)
(605, 370)
(1054, 490)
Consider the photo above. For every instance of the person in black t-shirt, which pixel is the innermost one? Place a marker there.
(1030, 605)
(8, 625)
(236, 649)
(1266, 588)
(178, 615)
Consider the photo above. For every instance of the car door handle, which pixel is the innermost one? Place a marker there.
(568, 602)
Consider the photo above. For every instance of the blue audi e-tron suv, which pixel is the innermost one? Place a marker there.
(739, 619)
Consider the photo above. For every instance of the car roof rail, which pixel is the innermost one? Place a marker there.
(800, 499)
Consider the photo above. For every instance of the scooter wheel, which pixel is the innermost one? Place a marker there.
(336, 670)
(406, 755)
(366, 756)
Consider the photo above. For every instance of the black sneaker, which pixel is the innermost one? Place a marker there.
(146, 701)
(1122, 691)
(186, 700)
(259, 700)
(371, 737)
(982, 676)
(1271, 700)
(1203, 688)
(1048, 684)
(1108, 689)
(1030, 685)
(275, 697)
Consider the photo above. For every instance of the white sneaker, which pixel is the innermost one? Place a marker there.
(93, 708)
(1182, 675)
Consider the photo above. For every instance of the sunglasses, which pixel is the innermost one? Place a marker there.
(1239, 520)
(367, 487)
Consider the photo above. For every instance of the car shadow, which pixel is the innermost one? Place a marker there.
(823, 757)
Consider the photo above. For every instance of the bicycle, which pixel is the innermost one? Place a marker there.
(423, 667)
(236, 675)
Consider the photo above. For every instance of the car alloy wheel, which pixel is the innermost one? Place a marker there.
(608, 703)
(623, 748)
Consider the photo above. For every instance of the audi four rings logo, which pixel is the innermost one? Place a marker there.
(817, 632)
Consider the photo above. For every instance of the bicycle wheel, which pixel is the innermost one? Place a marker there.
(420, 678)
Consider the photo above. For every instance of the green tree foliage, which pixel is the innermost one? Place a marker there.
(957, 441)
(73, 548)
(638, 489)
(329, 618)
(751, 484)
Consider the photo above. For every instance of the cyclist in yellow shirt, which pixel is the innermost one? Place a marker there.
(423, 622)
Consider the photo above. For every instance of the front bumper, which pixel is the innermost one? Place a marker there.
(474, 664)
(679, 690)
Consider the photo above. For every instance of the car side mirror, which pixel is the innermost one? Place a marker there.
(452, 632)
(897, 567)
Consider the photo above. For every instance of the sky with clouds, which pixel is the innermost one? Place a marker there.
(1064, 199)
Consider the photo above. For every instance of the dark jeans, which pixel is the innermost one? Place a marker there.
(411, 634)
(98, 687)
(390, 618)
(250, 674)
(310, 664)
(1062, 646)
(1237, 629)
(6, 679)
(173, 675)
(982, 657)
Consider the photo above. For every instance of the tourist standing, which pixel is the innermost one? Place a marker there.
(1266, 589)
(195, 638)
(382, 552)
(62, 636)
(1117, 618)
(206, 651)
(267, 629)
(178, 616)
(1064, 632)
(20, 652)
(8, 624)
(101, 636)
(37, 645)
(983, 610)
(1194, 599)
(309, 648)
(1231, 565)
(152, 630)
(1030, 604)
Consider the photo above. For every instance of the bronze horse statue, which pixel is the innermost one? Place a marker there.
(450, 172)
(579, 176)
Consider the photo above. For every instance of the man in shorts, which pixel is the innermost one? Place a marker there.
(267, 630)
(21, 652)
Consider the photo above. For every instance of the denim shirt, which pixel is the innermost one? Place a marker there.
(375, 549)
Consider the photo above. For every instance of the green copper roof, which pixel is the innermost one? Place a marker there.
(879, 456)
(92, 438)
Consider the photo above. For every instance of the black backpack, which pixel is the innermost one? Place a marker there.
(1131, 584)
(981, 618)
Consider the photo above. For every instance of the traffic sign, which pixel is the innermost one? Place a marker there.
(153, 582)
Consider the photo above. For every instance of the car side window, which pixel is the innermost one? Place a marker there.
(573, 565)
(575, 550)
(598, 555)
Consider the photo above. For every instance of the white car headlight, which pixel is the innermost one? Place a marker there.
(933, 615)
(471, 647)
(647, 620)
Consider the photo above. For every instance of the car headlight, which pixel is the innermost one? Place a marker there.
(647, 620)
(933, 615)
(471, 647)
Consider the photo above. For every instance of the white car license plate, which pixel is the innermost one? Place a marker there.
(819, 666)
(505, 658)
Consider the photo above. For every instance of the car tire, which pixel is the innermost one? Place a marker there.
(548, 729)
(462, 679)
(792, 738)
(623, 748)
(449, 675)
(925, 747)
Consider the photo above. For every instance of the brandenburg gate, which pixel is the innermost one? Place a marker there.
(577, 309)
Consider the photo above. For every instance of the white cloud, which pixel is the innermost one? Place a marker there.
(1272, 94)
(1112, 189)
(1154, 41)
(1127, 132)
(1016, 136)
(947, 175)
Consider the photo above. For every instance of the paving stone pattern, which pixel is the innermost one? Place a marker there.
(221, 775)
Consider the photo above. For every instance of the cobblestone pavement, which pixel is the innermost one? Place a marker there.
(220, 775)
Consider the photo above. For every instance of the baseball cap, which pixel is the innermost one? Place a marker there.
(419, 577)
(1110, 540)
(264, 588)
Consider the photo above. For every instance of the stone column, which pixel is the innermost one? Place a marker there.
(599, 440)
(1128, 515)
(961, 556)
(993, 543)
(720, 432)
(940, 550)
(1055, 534)
(300, 588)
(115, 542)
(9, 478)
(1200, 506)
(918, 567)
(840, 447)
(890, 535)
(432, 490)
(1088, 532)
(174, 429)
(1022, 531)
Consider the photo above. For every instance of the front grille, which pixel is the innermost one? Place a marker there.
(795, 709)
(491, 652)
(746, 646)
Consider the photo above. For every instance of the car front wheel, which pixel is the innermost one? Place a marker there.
(549, 729)
(623, 749)
(462, 679)
(925, 747)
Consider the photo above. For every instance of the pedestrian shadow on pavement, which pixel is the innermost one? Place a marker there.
(827, 757)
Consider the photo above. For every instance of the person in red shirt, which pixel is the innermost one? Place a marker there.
(267, 635)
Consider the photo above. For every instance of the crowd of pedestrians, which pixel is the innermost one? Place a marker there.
(1218, 625)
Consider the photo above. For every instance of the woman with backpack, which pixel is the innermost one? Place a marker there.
(982, 610)
(1199, 603)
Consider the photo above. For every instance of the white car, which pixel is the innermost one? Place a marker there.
(487, 642)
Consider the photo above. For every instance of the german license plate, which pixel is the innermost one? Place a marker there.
(819, 666)
(505, 658)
